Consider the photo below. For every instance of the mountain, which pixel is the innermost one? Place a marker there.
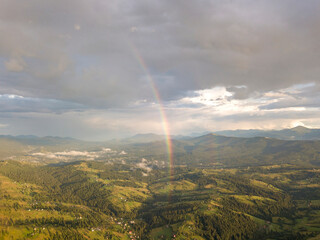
(212, 149)
(198, 134)
(149, 137)
(93, 200)
(296, 133)
(217, 188)
(23, 144)
(258, 150)
(143, 138)
(207, 151)
(40, 141)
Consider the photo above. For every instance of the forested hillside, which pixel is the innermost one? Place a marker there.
(208, 150)
(96, 200)
(212, 150)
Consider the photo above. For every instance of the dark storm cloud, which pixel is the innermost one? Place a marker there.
(82, 50)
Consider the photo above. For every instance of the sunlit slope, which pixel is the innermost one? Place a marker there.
(66, 202)
(207, 150)
(213, 150)
(96, 200)
(296, 133)
(257, 150)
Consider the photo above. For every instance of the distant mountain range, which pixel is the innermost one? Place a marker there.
(213, 150)
(23, 144)
(34, 140)
(298, 145)
(297, 133)
(150, 137)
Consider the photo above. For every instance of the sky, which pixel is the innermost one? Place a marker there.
(96, 69)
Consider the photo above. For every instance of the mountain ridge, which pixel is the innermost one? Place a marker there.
(296, 133)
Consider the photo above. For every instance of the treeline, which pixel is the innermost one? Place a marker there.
(222, 204)
(170, 214)
(226, 225)
(61, 184)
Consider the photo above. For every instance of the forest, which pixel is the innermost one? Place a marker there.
(99, 200)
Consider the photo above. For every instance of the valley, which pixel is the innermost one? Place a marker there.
(217, 188)
(98, 200)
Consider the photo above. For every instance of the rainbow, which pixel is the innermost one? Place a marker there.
(164, 119)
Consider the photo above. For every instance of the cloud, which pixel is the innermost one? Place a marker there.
(144, 165)
(15, 65)
(67, 155)
(239, 92)
(297, 96)
(96, 66)
(73, 154)
(77, 27)
(133, 29)
(16, 103)
(205, 110)
(80, 67)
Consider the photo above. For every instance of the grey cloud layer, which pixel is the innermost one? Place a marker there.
(77, 65)
(18, 104)
(81, 51)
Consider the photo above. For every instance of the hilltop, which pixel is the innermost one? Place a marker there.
(296, 133)
(208, 150)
